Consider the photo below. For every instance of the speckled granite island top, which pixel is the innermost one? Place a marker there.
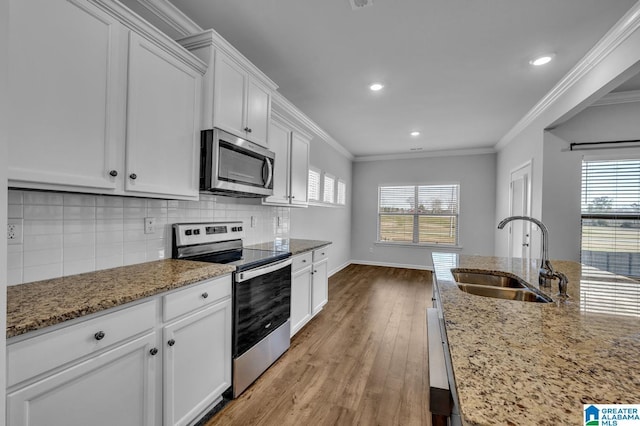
(40, 304)
(295, 246)
(524, 363)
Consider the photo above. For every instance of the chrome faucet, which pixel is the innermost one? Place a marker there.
(546, 274)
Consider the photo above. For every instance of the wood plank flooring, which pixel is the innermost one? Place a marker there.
(361, 361)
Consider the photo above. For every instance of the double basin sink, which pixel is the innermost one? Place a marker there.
(497, 285)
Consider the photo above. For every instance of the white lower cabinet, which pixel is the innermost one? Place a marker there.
(116, 387)
(197, 362)
(309, 286)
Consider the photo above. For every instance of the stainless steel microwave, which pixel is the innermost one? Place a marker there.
(233, 166)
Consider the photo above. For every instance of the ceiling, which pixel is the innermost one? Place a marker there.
(455, 70)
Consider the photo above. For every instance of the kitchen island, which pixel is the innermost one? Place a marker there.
(520, 363)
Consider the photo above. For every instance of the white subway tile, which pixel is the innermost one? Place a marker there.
(14, 211)
(41, 272)
(42, 227)
(109, 212)
(173, 204)
(79, 200)
(107, 238)
(45, 212)
(109, 225)
(106, 262)
(14, 260)
(42, 257)
(79, 239)
(73, 267)
(79, 226)
(42, 198)
(135, 258)
(76, 253)
(130, 202)
(130, 235)
(42, 242)
(156, 204)
(14, 276)
(79, 212)
(106, 201)
(135, 212)
(157, 212)
(109, 250)
(15, 197)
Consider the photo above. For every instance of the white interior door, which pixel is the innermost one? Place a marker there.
(520, 205)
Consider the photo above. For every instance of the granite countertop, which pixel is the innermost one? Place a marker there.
(39, 304)
(295, 246)
(519, 363)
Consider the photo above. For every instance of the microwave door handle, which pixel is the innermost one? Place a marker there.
(269, 172)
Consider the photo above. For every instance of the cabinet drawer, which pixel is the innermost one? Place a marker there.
(196, 296)
(321, 253)
(30, 357)
(301, 261)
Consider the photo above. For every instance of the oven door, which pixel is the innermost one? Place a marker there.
(262, 303)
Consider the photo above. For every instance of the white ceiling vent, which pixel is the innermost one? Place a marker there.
(359, 4)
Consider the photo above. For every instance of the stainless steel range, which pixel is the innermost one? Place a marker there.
(261, 293)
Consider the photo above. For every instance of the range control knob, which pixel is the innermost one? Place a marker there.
(188, 232)
(239, 228)
(196, 232)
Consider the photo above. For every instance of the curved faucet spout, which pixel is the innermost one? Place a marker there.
(546, 273)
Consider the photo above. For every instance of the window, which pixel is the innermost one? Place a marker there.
(314, 184)
(342, 193)
(611, 215)
(420, 214)
(328, 195)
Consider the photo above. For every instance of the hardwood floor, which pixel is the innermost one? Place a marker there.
(361, 361)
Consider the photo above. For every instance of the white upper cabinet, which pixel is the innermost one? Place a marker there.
(98, 95)
(163, 120)
(67, 87)
(237, 95)
(291, 171)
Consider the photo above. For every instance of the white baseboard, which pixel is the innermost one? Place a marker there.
(339, 268)
(392, 265)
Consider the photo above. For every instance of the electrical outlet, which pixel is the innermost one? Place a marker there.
(149, 225)
(14, 231)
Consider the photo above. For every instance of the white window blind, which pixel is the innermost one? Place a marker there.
(342, 193)
(329, 189)
(611, 215)
(314, 185)
(416, 214)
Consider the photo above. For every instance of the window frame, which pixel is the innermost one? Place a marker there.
(319, 172)
(344, 185)
(416, 217)
(326, 175)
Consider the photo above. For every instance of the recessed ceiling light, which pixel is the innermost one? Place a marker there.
(542, 60)
(376, 86)
(415, 133)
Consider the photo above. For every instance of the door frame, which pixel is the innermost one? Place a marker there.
(526, 170)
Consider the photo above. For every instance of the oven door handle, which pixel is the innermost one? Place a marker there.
(244, 276)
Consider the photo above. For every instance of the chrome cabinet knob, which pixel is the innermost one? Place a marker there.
(153, 351)
(205, 295)
(113, 173)
(133, 176)
(99, 335)
(171, 342)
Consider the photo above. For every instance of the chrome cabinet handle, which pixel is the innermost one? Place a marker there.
(113, 173)
(171, 342)
(99, 335)
(133, 176)
(153, 351)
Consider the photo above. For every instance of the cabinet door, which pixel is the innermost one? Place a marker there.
(68, 85)
(279, 142)
(258, 113)
(114, 388)
(163, 114)
(301, 285)
(299, 169)
(229, 95)
(320, 293)
(197, 362)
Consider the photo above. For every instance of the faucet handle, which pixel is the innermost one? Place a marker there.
(562, 284)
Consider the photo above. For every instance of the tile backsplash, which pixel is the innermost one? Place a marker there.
(70, 233)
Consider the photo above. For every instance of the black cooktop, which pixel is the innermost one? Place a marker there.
(243, 259)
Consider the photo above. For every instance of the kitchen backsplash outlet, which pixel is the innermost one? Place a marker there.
(68, 233)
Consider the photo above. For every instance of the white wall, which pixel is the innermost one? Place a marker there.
(476, 175)
(572, 95)
(327, 223)
(602, 123)
(4, 104)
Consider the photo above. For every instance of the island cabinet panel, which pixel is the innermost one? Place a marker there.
(115, 388)
(162, 122)
(301, 285)
(66, 93)
(320, 294)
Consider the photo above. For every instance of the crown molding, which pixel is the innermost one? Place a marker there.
(210, 37)
(142, 27)
(284, 107)
(172, 16)
(629, 23)
(615, 98)
(426, 154)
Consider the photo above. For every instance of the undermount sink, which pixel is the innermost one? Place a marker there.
(490, 284)
(487, 278)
